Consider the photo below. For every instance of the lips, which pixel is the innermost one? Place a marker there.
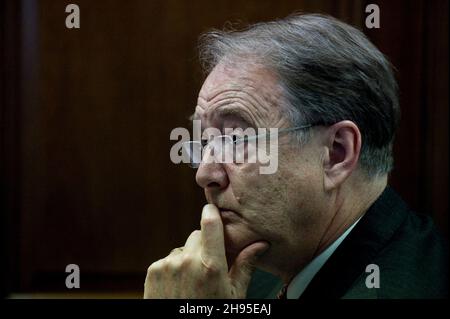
(226, 213)
(221, 207)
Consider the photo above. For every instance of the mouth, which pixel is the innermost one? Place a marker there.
(227, 215)
(237, 234)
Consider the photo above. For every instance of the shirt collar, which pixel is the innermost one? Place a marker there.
(304, 277)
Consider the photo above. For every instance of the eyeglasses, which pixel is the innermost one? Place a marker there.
(226, 148)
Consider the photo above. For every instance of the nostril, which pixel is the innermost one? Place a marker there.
(212, 176)
(213, 184)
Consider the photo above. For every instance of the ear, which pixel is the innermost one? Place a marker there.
(343, 145)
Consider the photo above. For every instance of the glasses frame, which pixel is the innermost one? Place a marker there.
(204, 143)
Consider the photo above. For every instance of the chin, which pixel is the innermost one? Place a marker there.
(236, 239)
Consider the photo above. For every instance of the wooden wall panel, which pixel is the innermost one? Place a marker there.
(414, 35)
(93, 183)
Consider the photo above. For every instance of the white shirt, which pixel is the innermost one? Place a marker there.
(304, 277)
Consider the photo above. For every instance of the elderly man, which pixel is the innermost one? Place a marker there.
(325, 222)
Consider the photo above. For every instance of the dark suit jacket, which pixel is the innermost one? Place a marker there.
(411, 256)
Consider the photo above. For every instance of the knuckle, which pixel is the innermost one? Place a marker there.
(176, 251)
(186, 261)
(209, 221)
(170, 268)
(195, 234)
(155, 267)
(211, 269)
(175, 264)
(167, 264)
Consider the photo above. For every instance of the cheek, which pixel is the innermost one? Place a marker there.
(302, 167)
(270, 204)
(259, 194)
(305, 192)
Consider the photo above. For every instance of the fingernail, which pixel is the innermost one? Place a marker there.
(206, 212)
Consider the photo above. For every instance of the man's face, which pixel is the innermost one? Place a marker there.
(279, 208)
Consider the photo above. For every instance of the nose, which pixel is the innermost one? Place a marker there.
(211, 175)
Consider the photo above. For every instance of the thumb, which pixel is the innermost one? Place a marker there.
(244, 264)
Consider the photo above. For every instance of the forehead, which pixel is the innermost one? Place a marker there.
(249, 94)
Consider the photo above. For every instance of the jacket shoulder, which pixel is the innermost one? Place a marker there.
(414, 264)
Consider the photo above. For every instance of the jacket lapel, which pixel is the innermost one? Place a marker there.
(349, 261)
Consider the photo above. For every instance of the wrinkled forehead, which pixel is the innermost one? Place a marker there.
(244, 97)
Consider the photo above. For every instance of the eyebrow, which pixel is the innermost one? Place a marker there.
(228, 111)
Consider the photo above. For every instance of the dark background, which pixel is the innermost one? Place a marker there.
(86, 116)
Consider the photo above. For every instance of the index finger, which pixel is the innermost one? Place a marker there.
(213, 243)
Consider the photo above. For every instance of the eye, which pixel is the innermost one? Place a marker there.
(204, 142)
(237, 138)
(236, 135)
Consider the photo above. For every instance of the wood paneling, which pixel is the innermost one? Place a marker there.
(414, 35)
(86, 154)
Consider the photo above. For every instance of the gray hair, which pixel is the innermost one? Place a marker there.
(329, 72)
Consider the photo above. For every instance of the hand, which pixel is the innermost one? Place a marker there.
(199, 269)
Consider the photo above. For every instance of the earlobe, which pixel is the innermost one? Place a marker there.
(343, 148)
